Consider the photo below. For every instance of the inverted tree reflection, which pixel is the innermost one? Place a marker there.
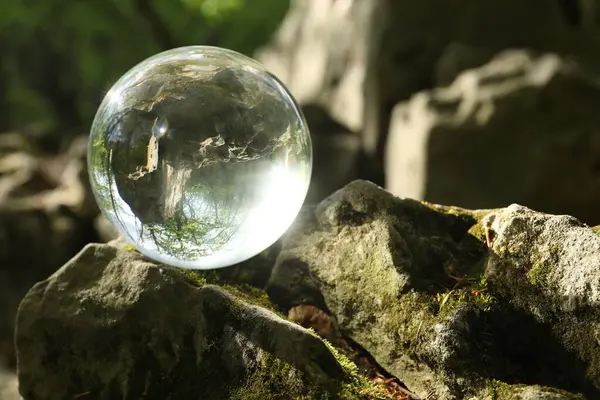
(188, 169)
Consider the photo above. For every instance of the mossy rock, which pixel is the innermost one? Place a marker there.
(110, 324)
(447, 299)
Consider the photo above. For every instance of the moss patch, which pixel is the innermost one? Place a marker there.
(497, 390)
(542, 266)
(357, 386)
(274, 379)
(478, 232)
(413, 315)
(472, 217)
(245, 292)
(477, 215)
(538, 273)
(475, 293)
(409, 318)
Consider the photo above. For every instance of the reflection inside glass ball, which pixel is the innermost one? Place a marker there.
(199, 157)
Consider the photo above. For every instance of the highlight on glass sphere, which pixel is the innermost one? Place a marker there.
(199, 157)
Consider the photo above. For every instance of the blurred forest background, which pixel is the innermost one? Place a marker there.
(60, 57)
(474, 103)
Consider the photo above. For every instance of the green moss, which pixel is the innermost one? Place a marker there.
(475, 294)
(477, 231)
(463, 213)
(246, 293)
(409, 318)
(129, 247)
(413, 314)
(274, 379)
(250, 295)
(497, 390)
(197, 278)
(357, 386)
(538, 273)
(472, 217)
(542, 265)
(596, 229)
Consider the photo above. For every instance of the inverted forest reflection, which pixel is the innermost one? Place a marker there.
(191, 158)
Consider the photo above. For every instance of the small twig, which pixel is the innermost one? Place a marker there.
(419, 330)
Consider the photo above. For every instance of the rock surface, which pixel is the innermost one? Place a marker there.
(458, 304)
(111, 325)
(522, 128)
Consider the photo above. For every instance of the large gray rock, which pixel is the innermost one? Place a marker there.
(417, 286)
(111, 325)
(522, 128)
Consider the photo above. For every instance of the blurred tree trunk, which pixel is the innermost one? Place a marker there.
(157, 27)
(589, 14)
(175, 180)
(42, 66)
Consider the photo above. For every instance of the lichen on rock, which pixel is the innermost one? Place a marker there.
(547, 267)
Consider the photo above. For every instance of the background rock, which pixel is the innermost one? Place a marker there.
(359, 59)
(8, 386)
(336, 154)
(106, 230)
(417, 286)
(319, 52)
(522, 128)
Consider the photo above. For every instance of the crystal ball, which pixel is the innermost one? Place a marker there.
(199, 157)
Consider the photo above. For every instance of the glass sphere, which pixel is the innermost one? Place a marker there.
(199, 157)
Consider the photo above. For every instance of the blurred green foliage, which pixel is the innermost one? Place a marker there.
(59, 57)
